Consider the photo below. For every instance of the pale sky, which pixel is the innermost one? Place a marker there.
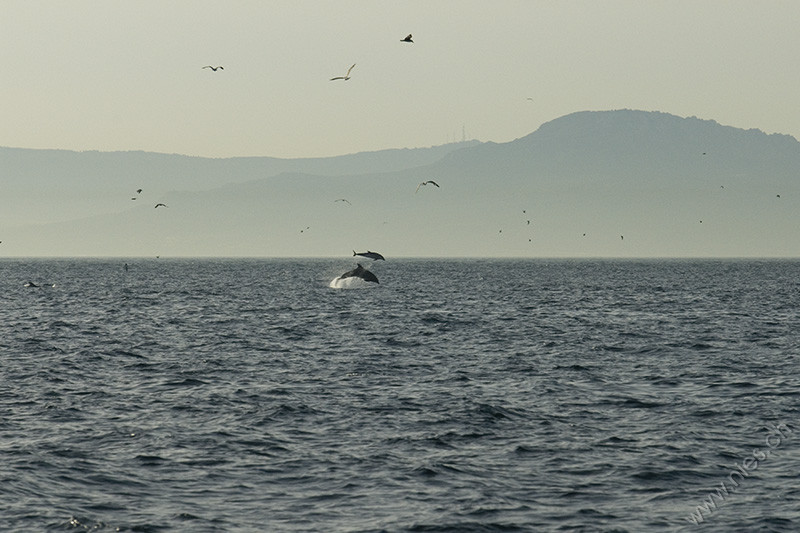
(127, 75)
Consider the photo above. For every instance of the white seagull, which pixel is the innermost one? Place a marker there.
(346, 76)
(431, 182)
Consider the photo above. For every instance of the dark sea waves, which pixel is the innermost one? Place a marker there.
(458, 395)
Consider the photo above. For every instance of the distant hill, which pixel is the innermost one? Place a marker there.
(590, 184)
(52, 185)
(636, 147)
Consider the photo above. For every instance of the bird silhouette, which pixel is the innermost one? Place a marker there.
(161, 205)
(343, 200)
(215, 68)
(429, 182)
(138, 191)
(346, 76)
(407, 39)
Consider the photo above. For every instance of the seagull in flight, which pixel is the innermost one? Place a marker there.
(407, 39)
(429, 182)
(160, 205)
(346, 76)
(343, 200)
(220, 67)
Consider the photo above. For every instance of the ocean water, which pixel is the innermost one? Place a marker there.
(456, 395)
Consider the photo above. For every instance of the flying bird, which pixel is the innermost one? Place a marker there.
(429, 182)
(214, 68)
(346, 76)
(343, 200)
(161, 205)
(138, 191)
(407, 39)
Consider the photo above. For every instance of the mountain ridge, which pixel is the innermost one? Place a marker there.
(672, 186)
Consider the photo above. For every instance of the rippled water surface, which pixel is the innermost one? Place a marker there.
(456, 395)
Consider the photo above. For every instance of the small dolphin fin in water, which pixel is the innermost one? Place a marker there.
(360, 272)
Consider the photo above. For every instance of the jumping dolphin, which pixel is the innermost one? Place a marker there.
(369, 255)
(360, 272)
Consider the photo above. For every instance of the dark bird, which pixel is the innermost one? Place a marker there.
(134, 198)
(777, 196)
(343, 200)
(375, 256)
(622, 237)
(214, 68)
(138, 191)
(407, 39)
(346, 76)
(429, 182)
(360, 272)
(161, 205)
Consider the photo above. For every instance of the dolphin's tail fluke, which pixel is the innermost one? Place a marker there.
(354, 253)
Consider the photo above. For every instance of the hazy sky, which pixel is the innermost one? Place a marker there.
(126, 75)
